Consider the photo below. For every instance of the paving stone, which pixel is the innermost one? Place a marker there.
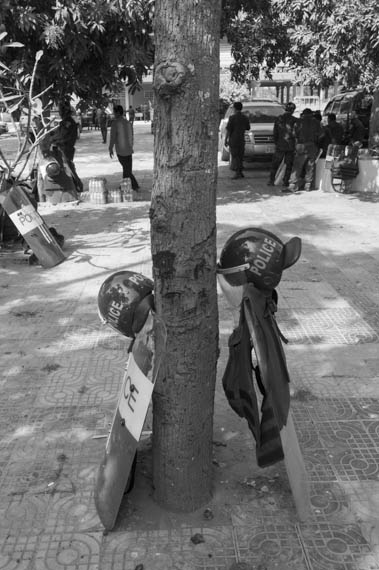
(60, 373)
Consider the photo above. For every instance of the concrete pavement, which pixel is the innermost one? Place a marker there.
(60, 371)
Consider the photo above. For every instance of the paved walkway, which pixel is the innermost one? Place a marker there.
(60, 371)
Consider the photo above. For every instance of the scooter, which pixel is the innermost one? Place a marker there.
(55, 179)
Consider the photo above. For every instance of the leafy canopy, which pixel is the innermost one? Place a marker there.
(89, 46)
(325, 40)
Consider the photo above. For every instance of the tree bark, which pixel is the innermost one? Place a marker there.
(373, 141)
(183, 233)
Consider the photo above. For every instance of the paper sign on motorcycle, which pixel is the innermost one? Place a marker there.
(135, 399)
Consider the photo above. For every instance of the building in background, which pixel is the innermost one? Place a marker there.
(284, 85)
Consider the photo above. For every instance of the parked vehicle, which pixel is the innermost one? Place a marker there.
(259, 141)
(344, 105)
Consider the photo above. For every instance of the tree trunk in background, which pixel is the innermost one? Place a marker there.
(373, 141)
(183, 234)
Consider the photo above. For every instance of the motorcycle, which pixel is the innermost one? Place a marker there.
(56, 182)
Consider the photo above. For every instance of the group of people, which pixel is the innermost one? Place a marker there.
(299, 143)
(121, 140)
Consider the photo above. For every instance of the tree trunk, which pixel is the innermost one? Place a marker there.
(183, 233)
(373, 141)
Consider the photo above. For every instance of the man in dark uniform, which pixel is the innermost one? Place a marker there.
(308, 133)
(235, 138)
(64, 137)
(284, 139)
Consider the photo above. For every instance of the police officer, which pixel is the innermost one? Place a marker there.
(238, 123)
(284, 139)
(308, 133)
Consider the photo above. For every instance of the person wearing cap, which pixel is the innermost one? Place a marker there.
(238, 123)
(284, 139)
(308, 134)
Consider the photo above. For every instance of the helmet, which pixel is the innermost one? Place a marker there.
(53, 169)
(124, 301)
(255, 255)
(290, 107)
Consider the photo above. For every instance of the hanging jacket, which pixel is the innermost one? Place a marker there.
(271, 374)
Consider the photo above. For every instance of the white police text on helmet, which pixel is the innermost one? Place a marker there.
(115, 309)
(262, 258)
(114, 312)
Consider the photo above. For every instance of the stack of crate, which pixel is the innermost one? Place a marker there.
(98, 193)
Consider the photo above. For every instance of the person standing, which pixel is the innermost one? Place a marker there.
(333, 134)
(357, 130)
(238, 123)
(121, 138)
(284, 139)
(131, 114)
(94, 118)
(308, 133)
(334, 130)
(103, 124)
(64, 137)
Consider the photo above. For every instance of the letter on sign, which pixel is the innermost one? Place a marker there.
(26, 219)
(135, 398)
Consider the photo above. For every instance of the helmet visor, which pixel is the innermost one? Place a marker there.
(292, 252)
(233, 293)
(230, 270)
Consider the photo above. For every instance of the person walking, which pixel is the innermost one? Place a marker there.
(103, 124)
(238, 123)
(121, 138)
(284, 139)
(65, 137)
(308, 132)
(131, 114)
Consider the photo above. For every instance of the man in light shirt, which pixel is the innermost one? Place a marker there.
(121, 138)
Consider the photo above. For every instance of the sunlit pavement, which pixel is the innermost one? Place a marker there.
(61, 370)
